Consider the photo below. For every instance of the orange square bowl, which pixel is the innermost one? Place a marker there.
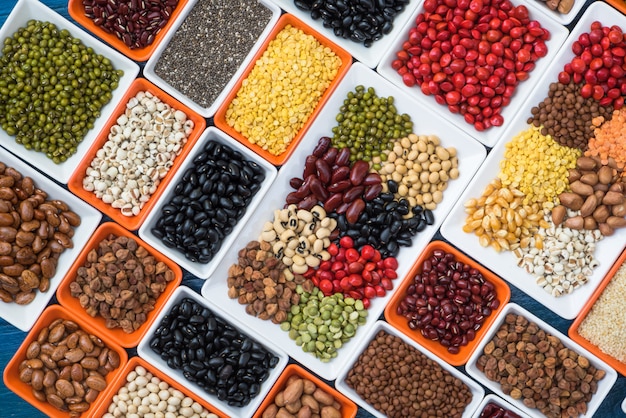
(503, 294)
(105, 400)
(75, 183)
(98, 323)
(24, 390)
(76, 10)
(348, 408)
(220, 116)
(585, 343)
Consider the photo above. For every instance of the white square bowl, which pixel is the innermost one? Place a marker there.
(490, 136)
(26, 10)
(369, 56)
(204, 270)
(504, 264)
(24, 316)
(491, 398)
(153, 358)
(470, 154)
(207, 112)
(604, 385)
(477, 391)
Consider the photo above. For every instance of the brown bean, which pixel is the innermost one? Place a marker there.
(6, 219)
(24, 298)
(57, 332)
(36, 380)
(49, 378)
(55, 400)
(96, 382)
(7, 233)
(33, 350)
(7, 193)
(48, 267)
(91, 395)
(72, 217)
(79, 407)
(64, 388)
(74, 355)
(113, 359)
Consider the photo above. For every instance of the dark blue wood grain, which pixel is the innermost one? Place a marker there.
(10, 338)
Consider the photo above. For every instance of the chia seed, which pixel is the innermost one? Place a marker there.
(210, 46)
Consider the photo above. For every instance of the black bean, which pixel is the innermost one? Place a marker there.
(232, 366)
(213, 193)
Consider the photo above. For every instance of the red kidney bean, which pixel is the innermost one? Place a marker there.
(448, 301)
(321, 147)
(486, 36)
(492, 410)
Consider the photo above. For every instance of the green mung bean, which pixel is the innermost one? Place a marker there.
(52, 88)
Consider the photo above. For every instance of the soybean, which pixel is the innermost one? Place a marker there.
(283, 88)
(52, 88)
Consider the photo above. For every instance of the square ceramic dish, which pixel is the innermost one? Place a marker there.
(24, 316)
(198, 269)
(573, 329)
(618, 4)
(153, 358)
(120, 381)
(489, 137)
(604, 385)
(477, 391)
(26, 10)
(220, 116)
(496, 400)
(149, 70)
(75, 183)
(470, 154)
(127, 340)
(503, 294)
(348, 408)
(504, 264)
(371, 56)
(563, 18)
(24, 390)
(76, 10)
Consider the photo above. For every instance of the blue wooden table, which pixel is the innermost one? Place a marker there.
(10, 337)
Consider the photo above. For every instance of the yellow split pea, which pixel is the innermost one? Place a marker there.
(282, 90)
(537, 166)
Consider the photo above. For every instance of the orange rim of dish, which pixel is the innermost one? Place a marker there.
(75, 183)
(220, 115)
(503, 293)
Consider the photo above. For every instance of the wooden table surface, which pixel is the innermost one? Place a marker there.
(10, 337)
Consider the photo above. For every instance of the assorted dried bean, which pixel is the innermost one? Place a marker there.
(212, 353)
(34, 231)
(136, 23)
(448, 301)
(536, 367)
(145, 395)
(272, 104)
(399, 381)
(141, 148)
(209, 46)
(121, 282)
(52, 88)
(209, 199)
(607, 318)
(361, 21)
(66, 367)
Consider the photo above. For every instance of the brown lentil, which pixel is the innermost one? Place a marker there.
(120, 281)
(210, 45)
(537, 166)
(532, 365)
(604, 324)
(283, 88)
(34, 231)
(566, 116)
(66, 367)
(421, 167)
(501, 219)
(399, 381)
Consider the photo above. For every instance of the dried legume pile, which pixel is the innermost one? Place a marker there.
(145, 395)
(209, 46)
(604, 324)
(364, 22)
(399, 381)
(121, 282)
(52, 88)
(136, 23)
(34, 231)
(496, 47)
(535, 367)
(282, 90)
(142, 147)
